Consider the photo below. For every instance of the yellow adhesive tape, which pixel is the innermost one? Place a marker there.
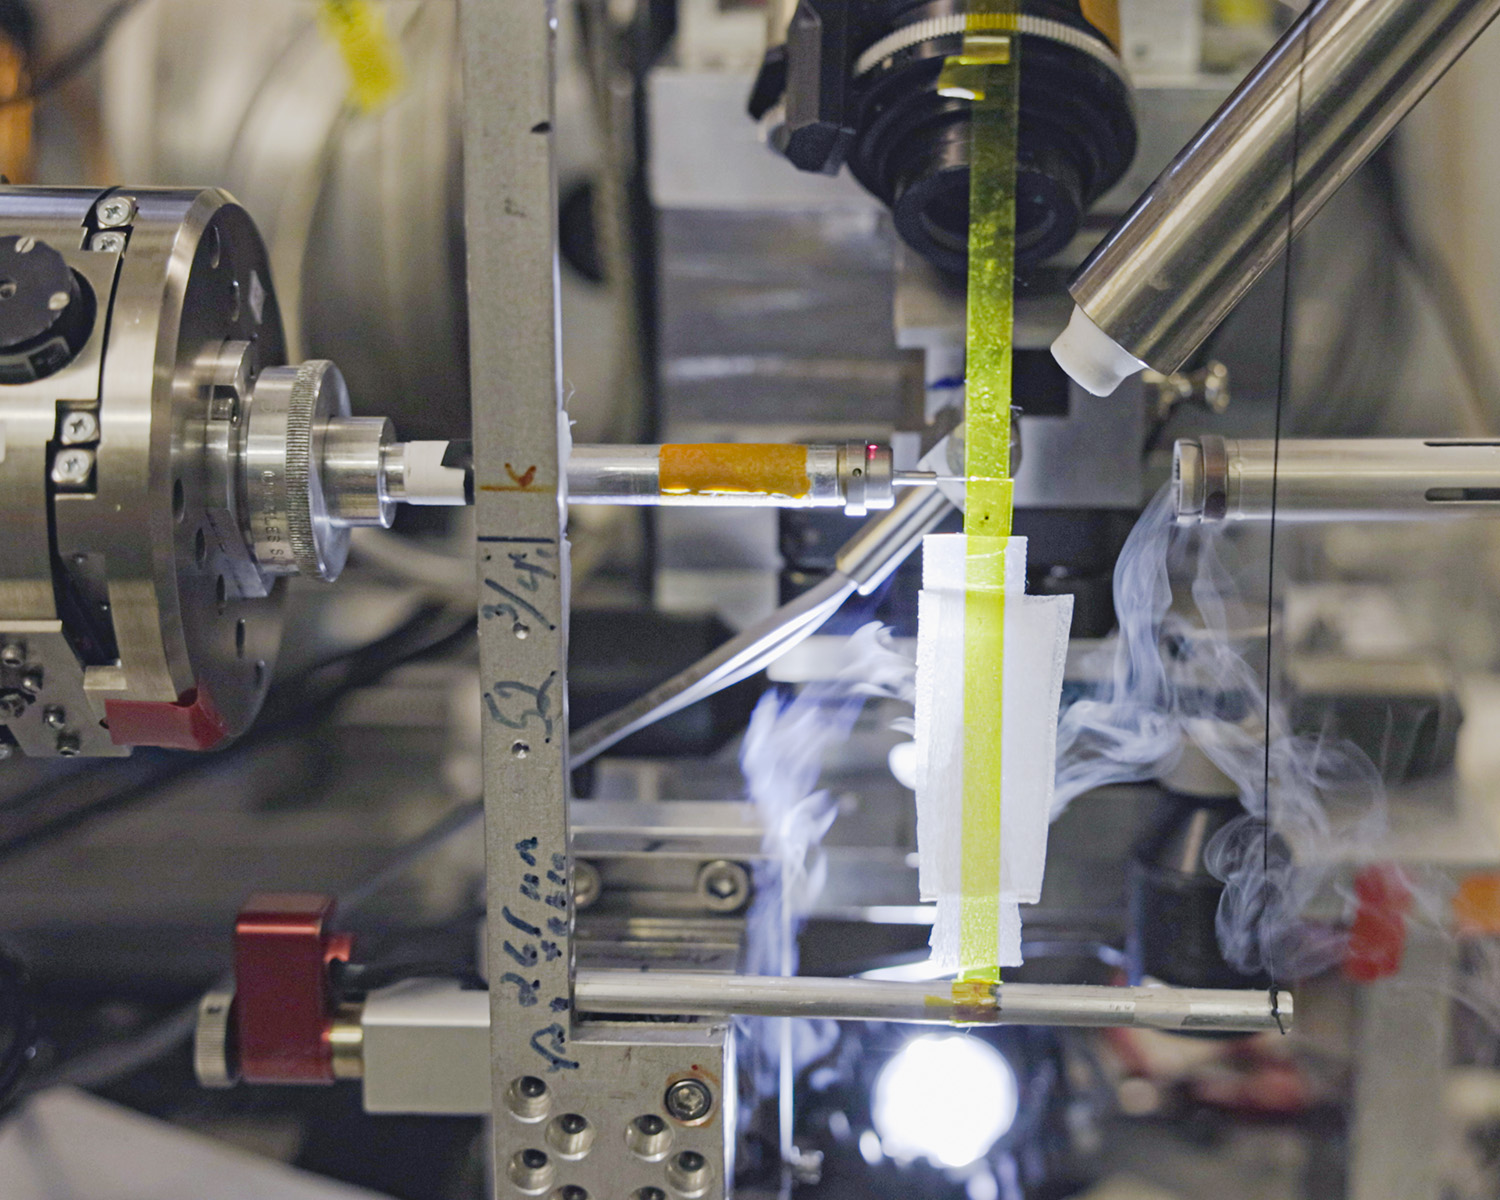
(358, 28)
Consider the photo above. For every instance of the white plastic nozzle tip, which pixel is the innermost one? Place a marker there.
(426, 480)
(1094, 360)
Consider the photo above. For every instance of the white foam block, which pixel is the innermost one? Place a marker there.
(1036, 642)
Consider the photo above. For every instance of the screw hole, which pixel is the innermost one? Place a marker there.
(239, 638)
(214, 246)
(200, 547)
(7, 288)
(179, 500)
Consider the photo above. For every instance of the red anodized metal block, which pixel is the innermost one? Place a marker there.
(283, 1001)
(193, 723)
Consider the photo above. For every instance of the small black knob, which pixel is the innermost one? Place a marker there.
(46, 312)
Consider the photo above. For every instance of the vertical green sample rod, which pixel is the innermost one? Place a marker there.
(988, 70)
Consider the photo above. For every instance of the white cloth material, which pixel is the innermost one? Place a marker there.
(1036, 645)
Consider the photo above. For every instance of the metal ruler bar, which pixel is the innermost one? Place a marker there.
(515, 383)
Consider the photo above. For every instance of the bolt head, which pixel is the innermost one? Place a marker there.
(12, 654)
(724, 886)
(54, 716)
(13, 704)
(114, 211)
(586, 884)
(689, 1100)
(73, 466)
(79, 427)
(68, 745)
(111, 241)
(32, 680)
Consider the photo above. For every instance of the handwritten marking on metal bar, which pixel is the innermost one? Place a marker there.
(520, 569)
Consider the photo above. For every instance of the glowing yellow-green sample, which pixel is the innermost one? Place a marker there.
(989, 71)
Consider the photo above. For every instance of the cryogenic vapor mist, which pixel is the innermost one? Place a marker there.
(1170, 677)
(782, 757)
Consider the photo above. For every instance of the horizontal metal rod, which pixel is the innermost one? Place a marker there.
(660, 993)
(1350, 479)
(855, 476)
(879, 546)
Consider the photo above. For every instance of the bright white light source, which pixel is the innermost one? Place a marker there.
(946, 1098)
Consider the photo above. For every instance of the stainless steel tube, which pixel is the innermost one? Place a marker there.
(1377, 479)
(660, 993)
(1325, 96)
(883, 544)
(878, 548)
(854, 476)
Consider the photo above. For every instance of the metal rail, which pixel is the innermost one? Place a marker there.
(660, 993)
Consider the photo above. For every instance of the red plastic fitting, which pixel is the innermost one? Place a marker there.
(1377, 938)
(282, 997)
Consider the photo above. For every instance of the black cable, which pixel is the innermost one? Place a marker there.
(1283, 380)
(75, 58)
(300, 702)
(406, 856)
(18, 1025)
(352, 981)
(423, 634)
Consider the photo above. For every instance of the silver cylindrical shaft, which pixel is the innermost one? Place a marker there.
(353, 467)
(682, 994)
(1356, 479)
(854, 476)
(1324, 97)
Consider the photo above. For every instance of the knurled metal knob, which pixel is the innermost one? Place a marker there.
(214, 1060)
(291, 530)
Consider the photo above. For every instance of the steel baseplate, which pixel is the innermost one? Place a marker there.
(604, 1124)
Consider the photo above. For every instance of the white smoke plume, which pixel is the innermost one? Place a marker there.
(1171, 678)
(782, 756)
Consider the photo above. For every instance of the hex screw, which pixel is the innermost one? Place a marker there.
(54, 716)
(12, 654)
(723, 885)
(32, 680)
(68, 745)
(72, 467)
(689, 1100)
(111, 241)
(78, 427)
(12, 705)
(114, 211)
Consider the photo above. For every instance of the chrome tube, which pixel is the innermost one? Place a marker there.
(854, 476)
(1217, 479)
(662, 993)
(1325, 96)
(881, 545)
